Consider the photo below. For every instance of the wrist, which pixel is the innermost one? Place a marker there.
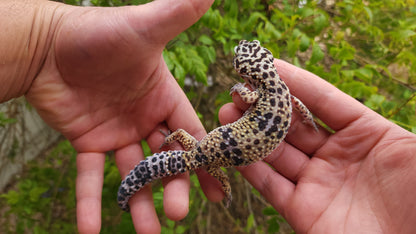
(27, 31)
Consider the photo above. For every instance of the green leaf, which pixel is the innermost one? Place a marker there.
(250, 222)
(317, 54)
(365, 74)
(201, 76)
(12, 197)
(167, 56)
(293, 46)
(36, 192)
(357, 89)
(344, 52)
(320, 22)
(4, 120)
(369, 13)
(179, 73)
(304, 43)
(269, 211)
(204, 39)
(251, 22)
(306, 11)
(231, 7)
(348, 74)
(403, 34)
(375, 101)
(274, 225)
(207, 53)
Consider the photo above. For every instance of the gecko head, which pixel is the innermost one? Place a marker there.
(249, 59)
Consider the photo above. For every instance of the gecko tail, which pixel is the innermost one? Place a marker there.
(152, 168)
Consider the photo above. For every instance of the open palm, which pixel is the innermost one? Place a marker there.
(105, 86)
(359, 179)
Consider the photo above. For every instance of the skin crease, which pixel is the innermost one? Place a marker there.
(360, 179)
(97, 76)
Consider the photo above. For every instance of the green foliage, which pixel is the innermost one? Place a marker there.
(5, 120)
(44, 200)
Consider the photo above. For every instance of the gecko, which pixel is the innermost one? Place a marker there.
(251, 138)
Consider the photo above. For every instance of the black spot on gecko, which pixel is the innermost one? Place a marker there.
(233, 142)
(280, 134)
(156, 169)
(268, 115)
(286, 123)
(227, 154)
(223, 146)
(237, 151)
(277, 120)
(198, 158)
(238, 160)
(262, 125)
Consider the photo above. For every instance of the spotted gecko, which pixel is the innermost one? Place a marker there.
(249, 139)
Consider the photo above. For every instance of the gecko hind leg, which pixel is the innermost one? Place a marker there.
(184, 138)
(305, 113)
(220, 175)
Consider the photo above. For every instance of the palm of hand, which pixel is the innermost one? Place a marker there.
(113, 81)
(355, 182)
(105, 86)
(359, 179)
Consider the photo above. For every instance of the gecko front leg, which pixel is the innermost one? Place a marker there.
(245, 93)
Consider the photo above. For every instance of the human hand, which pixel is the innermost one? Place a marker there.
(105, 86)
(359, 179)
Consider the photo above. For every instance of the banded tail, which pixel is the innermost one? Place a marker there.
(154, 167)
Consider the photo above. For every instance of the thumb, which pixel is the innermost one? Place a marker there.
(171, 17)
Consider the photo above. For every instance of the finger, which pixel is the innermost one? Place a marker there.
(182, 115)
(176, 188)
(273, 186)
(239, 102)
(288, 161)
(332, 106)
(172, 16)
(304, 137)
(229, 113)
(143, 212)
(89, 183)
